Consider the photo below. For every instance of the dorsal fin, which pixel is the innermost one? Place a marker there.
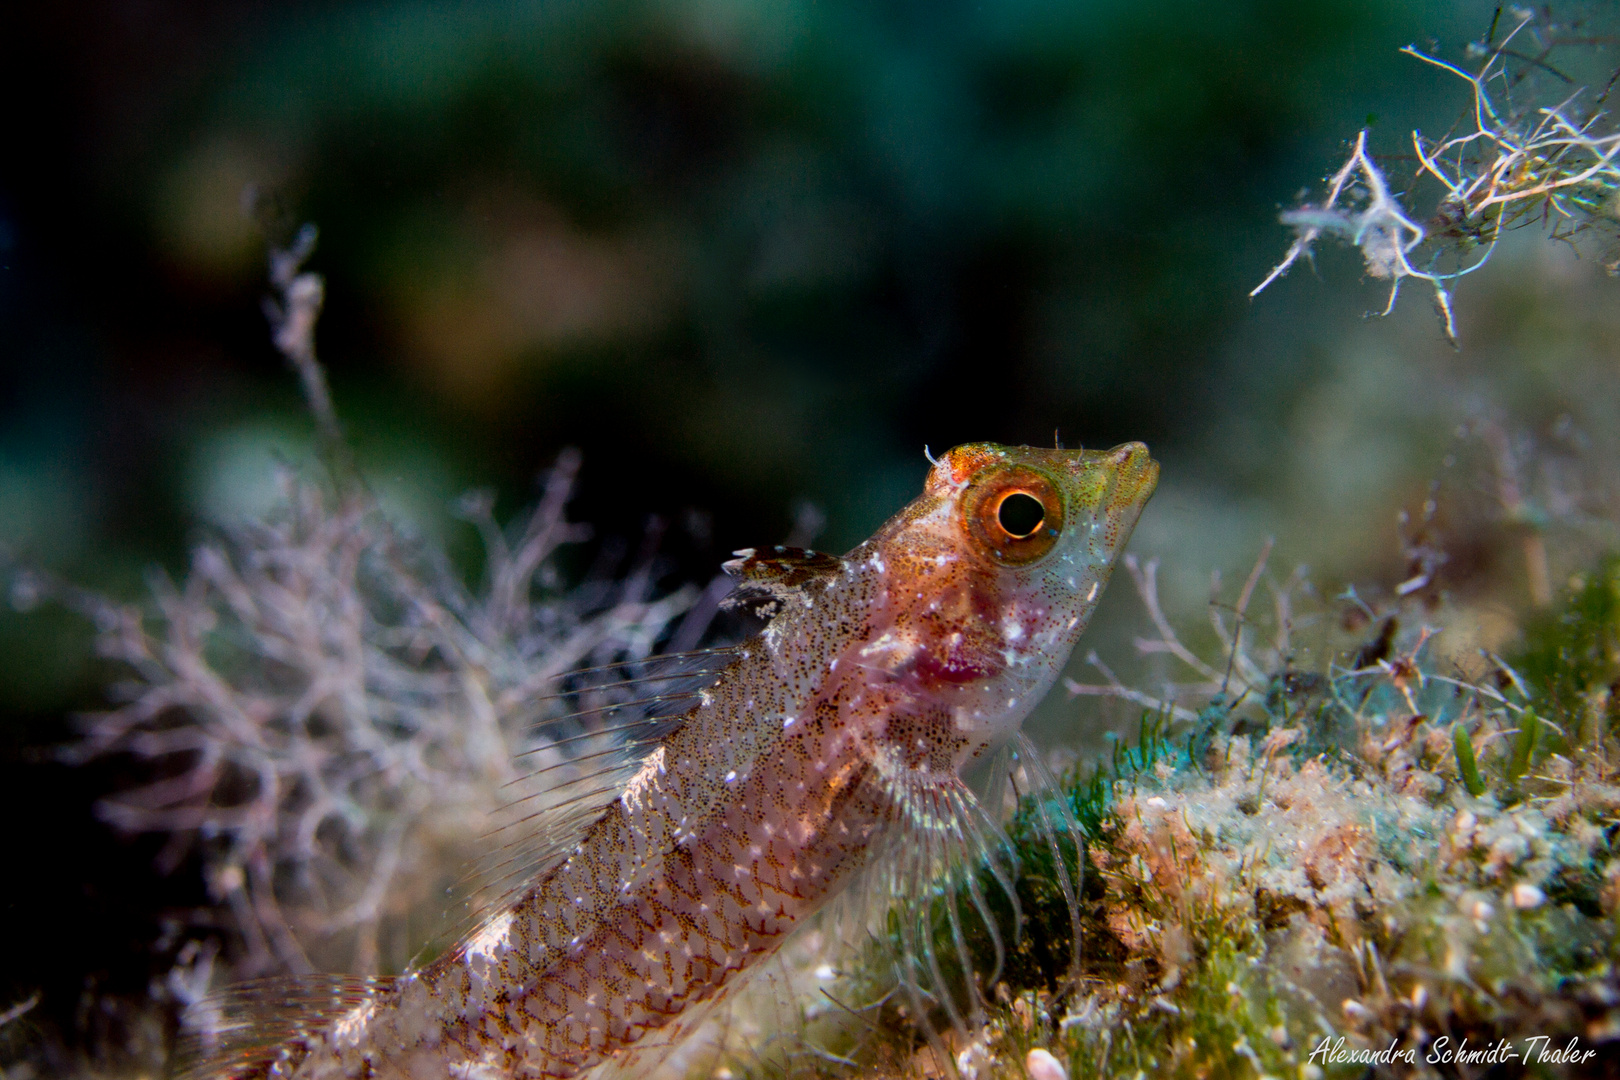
(238, 1032)
(782, 567)
(596, 727)
(768, 577)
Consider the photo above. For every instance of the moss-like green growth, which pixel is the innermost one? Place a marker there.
(1571, 659)
(1467, 766)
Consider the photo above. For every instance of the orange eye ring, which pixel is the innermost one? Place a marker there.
(1015, 515)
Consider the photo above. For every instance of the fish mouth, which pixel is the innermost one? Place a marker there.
(1135, 475)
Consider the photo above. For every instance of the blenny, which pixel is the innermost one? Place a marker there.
(828, 746)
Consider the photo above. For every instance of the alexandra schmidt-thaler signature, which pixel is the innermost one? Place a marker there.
(1537, 1050)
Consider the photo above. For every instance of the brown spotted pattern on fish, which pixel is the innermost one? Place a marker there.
(880, 676)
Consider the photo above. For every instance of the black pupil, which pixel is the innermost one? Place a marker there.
(1020, 514)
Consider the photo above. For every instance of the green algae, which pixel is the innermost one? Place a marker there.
(1571, 658)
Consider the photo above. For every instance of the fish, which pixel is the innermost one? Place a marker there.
(826, 750)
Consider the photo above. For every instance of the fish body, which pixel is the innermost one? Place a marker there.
(849, 718)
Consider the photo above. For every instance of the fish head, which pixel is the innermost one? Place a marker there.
(990, 576)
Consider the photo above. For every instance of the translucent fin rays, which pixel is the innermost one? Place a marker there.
(933, 892)
(241, 1030)
(588, 737)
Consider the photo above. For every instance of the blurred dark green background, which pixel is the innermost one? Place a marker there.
(744, 253)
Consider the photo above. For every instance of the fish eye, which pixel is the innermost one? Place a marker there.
(1013, 513)
(1020, 513)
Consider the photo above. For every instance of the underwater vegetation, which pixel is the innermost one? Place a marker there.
(1520, 157)
(327, 712)
(1350, 825)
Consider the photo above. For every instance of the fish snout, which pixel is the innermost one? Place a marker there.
(1123, 476)
(1124, 452)
(1137, 474)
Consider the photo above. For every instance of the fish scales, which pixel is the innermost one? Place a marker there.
(880, 675)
